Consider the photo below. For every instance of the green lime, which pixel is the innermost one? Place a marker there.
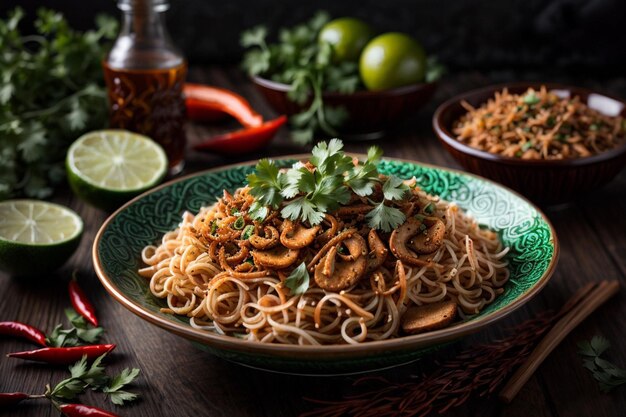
(36, 237)
(392, 60)
(106, 168)
(348, 36)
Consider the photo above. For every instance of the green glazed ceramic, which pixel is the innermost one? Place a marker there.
(142, 221)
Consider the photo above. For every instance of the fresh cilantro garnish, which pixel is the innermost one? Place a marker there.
(298, 280)
(531, 98)
(307, 193)
(78, 334)
(606, 373)
(51, 92)
(84, 376)
(114, 388)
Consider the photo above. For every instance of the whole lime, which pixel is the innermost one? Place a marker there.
(348, 36)
(392, 60)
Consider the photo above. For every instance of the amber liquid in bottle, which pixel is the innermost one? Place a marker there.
(150, 102)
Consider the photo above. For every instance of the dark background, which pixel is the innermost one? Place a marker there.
(574, 37)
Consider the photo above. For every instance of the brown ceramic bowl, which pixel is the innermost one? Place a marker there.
(543, 181)
(370, 113)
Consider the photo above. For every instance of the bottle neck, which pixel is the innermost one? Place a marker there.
(143, 41)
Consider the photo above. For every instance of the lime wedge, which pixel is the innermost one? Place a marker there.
(36, 237)
(108, 167)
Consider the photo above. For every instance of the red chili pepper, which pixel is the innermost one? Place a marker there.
(244, 140)
(80, 410)
(204, 102)
(15, 328)
(81, 303)
(63, 355)
(12, 398)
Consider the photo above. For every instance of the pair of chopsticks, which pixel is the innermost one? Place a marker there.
(584, 302)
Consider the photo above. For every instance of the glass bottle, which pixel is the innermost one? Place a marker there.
(145, 73)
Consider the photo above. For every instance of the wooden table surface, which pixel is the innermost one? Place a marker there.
(179, 380)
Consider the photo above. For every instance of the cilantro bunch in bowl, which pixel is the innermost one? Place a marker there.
(328, 75)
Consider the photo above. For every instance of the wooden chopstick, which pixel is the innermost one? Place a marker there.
(580, 306)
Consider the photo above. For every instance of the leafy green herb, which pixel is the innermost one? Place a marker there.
(606, 373)
(84, 376)
(51, 91)
(308, 194)
(214, 227)
(80, 332)
(531, 98)
(298, 280)
(114, 387)
(301, 61)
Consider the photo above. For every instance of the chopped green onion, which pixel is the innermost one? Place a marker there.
(247, 232)
(429, 209)
(420, 217)
(531, 99)
(234, 210)
(423, 227)
(239, 223)
(214, 227)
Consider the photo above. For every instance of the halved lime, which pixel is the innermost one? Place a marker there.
(108, 167)
(36, 237)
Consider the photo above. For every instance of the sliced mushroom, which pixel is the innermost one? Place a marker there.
(430, 239)
(353, 210)
(407, 235)
(331, 231)
(427, 317)
(268, 241)
(296, 236)
(378, 251)
(333, 273)
(278, 257)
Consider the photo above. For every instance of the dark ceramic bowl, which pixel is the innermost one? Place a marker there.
(543, 181)
(370, 113)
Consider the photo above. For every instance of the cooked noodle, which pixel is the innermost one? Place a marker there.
(204, 270)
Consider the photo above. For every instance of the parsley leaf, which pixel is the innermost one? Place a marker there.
(385, 218)
(114, 388)
(266, 183)
(607, 374)
(394, 188)
(78, 334)
(302, 208)
(298, 280)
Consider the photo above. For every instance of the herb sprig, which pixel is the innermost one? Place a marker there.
(78, 334)
(606, 373)
(51, 91)
(298, 59)
(308, 192)
(84, 376)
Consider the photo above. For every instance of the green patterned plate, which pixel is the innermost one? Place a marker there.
(142, 221)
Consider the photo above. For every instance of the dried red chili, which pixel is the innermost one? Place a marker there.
(244, 140)
(25, 331)
(80, 410)
(11, 398)
(63, 355)
(81, 302)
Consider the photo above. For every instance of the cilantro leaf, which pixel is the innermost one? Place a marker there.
(394, 188)
(606, 373)
(121, 397)
(385, 218)
(302, 208)
(114, 388)
(298, 280)
(266, 183)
